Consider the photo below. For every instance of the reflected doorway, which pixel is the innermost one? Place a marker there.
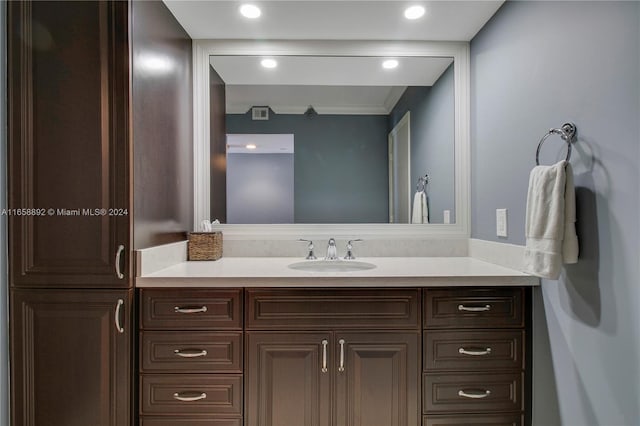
(400, 171)
(260, 174)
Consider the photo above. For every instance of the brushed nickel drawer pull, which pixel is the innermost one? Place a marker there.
(341, 366)
(189, 396)
(190, 353)
(117, 316)
(474, 394)
(484, 308)
(474, 352)
(325, 342)
(190, 310)
(119, 273)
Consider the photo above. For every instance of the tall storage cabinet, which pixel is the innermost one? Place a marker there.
(70, 204)
(70, 365)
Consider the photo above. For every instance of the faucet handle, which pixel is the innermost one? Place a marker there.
(310, 255)
(349, 255)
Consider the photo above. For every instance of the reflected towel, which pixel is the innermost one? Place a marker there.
(550, 221)
(420, 212)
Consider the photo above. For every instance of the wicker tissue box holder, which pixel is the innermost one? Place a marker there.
(204, 246)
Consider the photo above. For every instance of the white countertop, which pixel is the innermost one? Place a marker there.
(389, 272)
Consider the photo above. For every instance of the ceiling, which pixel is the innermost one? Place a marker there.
(331, 85)
(333, 20)
(368, 100)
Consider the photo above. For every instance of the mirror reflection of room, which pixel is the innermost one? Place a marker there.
(333, 140)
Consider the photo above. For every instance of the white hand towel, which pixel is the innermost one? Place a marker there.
(420, 211)
(550, 221)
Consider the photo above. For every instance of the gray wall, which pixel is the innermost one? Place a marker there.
(432, 140)
(162, 126)
(260, 188)
(341, 170)
(534, 66)
(4, 306)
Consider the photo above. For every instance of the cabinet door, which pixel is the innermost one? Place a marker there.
(378, 379)
(68, 143)
(70, 361)
(286, 384)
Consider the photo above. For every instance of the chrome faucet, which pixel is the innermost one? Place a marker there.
(332, 253)
(349, 255)
(310, 255)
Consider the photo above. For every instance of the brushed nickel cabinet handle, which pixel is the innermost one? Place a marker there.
(117, 316)
(325, 342)
(341, 342)
(190, 310)
(190, 353)
(474, 394)
(189, 396)
(474, 352)
(119, 273)
(484, 308)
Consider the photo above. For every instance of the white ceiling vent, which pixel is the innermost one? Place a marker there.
(260, 113)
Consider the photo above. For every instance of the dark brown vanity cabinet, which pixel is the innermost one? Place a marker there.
(288, 380)
(332, 357)
(474, 357)
(191, 357)
(377, 385)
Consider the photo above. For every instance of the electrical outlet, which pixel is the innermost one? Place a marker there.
(501, 222)
(447, 216)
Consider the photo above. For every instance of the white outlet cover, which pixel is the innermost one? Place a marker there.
(501, 222)
(447, 216)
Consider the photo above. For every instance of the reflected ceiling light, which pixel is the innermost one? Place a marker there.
(269, 63)
(250, 146)
(390, 64)
(250, 11)
(153, 63)
(414, 12)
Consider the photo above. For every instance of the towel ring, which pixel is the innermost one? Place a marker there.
(422, 183)
(567, 132)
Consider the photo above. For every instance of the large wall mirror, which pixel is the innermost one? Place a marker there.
(349, 138)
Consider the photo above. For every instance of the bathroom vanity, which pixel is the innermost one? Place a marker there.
(413, 341)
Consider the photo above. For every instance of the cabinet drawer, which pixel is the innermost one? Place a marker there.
(329, 309)
(475, 420)
(191, 309)
(473, 350)
(472, 393)
(185, 421)
(193, 352)
(208, 394)
(474, 308)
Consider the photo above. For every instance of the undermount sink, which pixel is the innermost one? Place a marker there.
(331, 266)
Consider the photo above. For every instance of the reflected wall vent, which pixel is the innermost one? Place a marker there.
(260, 113)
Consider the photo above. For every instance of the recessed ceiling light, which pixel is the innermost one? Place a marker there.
(414, 12)
(250, 11)
(250, 146)
(390, 64)
(269, 63)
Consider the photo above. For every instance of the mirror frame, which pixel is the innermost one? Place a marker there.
(459, 51)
